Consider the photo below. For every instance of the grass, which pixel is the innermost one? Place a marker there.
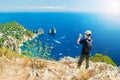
(35, 63)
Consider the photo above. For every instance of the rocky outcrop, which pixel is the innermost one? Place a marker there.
(52, 31)
(104, 71)
(65, 69)
(1, 34)
(11, 44)
(13, 34)
(40, 31)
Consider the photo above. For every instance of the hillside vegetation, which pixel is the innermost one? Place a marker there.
(102, 58)
(13, 34)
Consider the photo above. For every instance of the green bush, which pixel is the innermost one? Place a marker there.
(2, 39)
(102, 58)
(12, 29)
(29, 33)
(15, 30)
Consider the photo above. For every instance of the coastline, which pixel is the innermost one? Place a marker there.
(26, 39)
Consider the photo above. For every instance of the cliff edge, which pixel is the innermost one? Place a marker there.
(26, 68)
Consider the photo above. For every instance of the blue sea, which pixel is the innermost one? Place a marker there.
(105, 31)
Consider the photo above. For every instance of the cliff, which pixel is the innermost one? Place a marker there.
(65, 69)
(18, 67)
(12, 35)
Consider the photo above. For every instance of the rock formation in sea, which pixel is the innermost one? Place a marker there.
(52, 31)
(40, 31)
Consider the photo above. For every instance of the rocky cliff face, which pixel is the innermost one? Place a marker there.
(11, 44)
(12, 35)
(65, 69)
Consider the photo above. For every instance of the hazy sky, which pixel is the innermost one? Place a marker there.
(99, 6)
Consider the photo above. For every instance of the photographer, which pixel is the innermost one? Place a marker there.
(86, 48)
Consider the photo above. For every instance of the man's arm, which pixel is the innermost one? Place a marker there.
(79, 38)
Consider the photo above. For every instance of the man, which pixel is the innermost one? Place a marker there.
(86, 48)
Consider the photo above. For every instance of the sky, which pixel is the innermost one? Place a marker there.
(98, 6)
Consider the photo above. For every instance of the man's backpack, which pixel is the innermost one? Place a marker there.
(88, 46)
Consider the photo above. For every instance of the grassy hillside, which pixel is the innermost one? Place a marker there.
(15, 30)
(12, 29)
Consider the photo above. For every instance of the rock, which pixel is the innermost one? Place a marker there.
(12, 44)
(68, 59)
(52, 31)
(1, 34)
(106, 75)
(40, 31)
(33, 74)
(65, 69)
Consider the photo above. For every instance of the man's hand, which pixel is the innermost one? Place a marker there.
(80, 35)
(78, 40)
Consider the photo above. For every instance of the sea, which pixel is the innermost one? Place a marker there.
(105, 31)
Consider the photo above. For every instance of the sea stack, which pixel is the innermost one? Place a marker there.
(52, 31)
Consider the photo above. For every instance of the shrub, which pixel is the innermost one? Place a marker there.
(29, 33)
(14, 30)
(102, 58)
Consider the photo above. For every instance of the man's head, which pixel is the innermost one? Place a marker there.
(88, 34)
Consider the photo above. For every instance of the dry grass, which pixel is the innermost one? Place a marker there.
(26, 61)
(1, 68)
(84, 74)
(9, 53)
(38, 63)
(14, 69)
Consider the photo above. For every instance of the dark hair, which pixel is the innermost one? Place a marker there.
(88, 34)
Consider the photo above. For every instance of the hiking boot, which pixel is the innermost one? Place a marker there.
(86, 67)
